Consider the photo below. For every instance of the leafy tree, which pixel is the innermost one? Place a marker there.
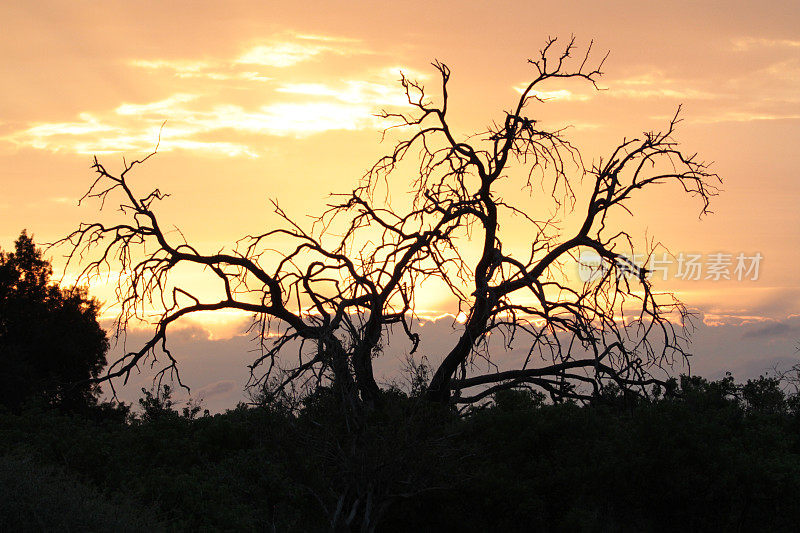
(51, 344)
(336, 289)
(518, 399)
(158, 404)
(764, 395)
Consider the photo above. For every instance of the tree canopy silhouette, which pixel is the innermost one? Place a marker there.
(324, 305)
(50, 342)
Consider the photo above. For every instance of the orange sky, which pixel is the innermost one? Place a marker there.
(267, 100)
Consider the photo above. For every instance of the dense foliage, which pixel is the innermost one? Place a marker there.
(703, 456)
(50, 340)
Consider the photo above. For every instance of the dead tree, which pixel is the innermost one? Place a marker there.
(324, 307)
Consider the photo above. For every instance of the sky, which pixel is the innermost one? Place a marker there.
(277, 101)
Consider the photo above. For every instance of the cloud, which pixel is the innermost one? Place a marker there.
(300, 119)
(198, 69)
(87, 124)
(137, 127)
(325, 38)
(280, 54)
(180, 66)
(215, 389)
(749, 43)
(63, 200)
(211, 147)
(771, 94)
(744, 116)
(93, 137)
(560, 94)
(644, 86)
(677, 94)
(202, 116)
(768, 330)
(286, 53)
(655, 84)
(159, 108)
(351, 91)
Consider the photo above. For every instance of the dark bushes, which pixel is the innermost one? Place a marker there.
(706, 456)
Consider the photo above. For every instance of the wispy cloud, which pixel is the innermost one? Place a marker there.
(279, 53)
(663, 92)
(114, 134)
(655, 84)
(137, 127)
(326, 38)
(750, 43)
(771, 329)
(63, 200)
(198, 70)
(179, 66)
(202, 116)
(215, 389)
(197, 123)
(351, 91)
(282, 54)
(744, 116)
(644, 86)
(286, 118)
(787, 70)
(560, 94)
(87, 124)
(160, 108)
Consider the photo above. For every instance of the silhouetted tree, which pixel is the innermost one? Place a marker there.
(764, 395)
(324, 304)
(50, 342)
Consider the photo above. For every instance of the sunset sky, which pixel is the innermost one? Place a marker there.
(277, 100)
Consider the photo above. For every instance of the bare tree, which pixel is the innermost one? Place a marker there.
(324, 307)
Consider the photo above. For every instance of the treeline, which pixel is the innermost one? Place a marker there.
(703, 456)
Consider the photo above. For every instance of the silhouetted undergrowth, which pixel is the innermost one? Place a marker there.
(703, 456)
